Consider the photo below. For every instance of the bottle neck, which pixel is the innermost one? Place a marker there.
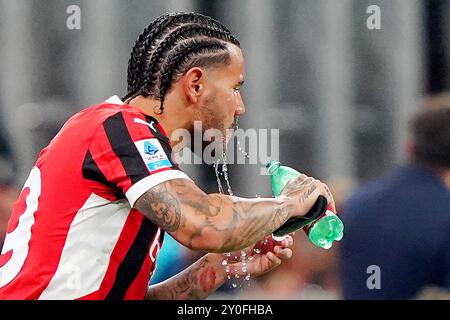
(273, 166)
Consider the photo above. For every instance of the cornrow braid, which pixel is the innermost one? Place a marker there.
(140, 48)
(182, 56)
(160, 42)
(148, 38)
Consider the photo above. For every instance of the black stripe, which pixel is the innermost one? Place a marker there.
(164, 140)
(161, 237)
(91, 171)
(133, 261)
(124, 147)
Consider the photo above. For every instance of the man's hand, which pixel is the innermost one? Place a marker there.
(262, 257)
(305, 190)
(208, 273)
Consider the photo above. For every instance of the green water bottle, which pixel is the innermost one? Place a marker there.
(320, 223)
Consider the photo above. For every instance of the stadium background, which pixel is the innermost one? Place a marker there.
(340, 93)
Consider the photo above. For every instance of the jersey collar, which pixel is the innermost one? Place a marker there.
(114, 100)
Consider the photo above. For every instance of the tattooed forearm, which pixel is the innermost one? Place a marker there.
(194, 283)
(216, 223)
(164, 208)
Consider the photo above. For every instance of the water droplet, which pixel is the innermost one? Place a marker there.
(224, 262)
(236, 126)
(236, 276)
(243, 253)
(228, 254)
(247, 277)
(250, 258)
(234, 285)
(223, 172)
(257, 250)
(227, 269)
(244, 269)
(216, 171)
(228, 277)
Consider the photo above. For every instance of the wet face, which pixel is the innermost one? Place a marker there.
(222, 101)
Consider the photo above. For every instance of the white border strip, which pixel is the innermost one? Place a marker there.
(142, 186)
(114, 100)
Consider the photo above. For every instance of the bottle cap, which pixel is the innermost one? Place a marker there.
(272, 166)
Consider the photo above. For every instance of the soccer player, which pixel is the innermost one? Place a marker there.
(91, 217)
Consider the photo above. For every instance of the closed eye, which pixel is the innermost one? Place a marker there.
(239, 85)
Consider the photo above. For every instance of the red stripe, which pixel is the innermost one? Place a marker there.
(48, 233)
(126, 238)
(137, 131)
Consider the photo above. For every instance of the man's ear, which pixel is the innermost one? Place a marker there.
(194, 84)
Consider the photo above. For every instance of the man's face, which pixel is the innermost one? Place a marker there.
(223, 101)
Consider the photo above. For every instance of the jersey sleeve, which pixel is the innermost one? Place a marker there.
(131, 152)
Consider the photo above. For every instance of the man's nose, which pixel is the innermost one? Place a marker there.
(240, 109)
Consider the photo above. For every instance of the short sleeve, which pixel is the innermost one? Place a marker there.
(131, 152)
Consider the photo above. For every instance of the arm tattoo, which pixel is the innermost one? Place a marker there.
(163, 207)
(216, 223)
(308, 193)
(196, 282)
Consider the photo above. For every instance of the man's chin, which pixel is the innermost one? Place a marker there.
(210, 150)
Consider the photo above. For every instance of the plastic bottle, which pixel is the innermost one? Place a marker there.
(321, 224)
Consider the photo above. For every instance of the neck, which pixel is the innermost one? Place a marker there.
(170, 119)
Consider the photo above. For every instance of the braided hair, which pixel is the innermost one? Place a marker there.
(171, 45)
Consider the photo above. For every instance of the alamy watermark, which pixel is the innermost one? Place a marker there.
(373, 22)
(73, 21)
(261, 145)
(374, 280)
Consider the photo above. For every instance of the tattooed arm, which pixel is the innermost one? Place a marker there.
(208, 273)
(194, 283)
(221, 223)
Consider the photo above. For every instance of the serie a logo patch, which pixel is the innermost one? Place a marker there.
(153, 154)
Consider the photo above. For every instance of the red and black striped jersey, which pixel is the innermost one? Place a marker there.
(74, 233)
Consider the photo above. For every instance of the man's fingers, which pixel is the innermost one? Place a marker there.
(330, 199)
(273, 258)
(284, 254)
(308, 196)
(288, 241)
(306, 190)
(297, 184)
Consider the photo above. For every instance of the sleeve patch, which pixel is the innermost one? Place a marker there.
(153, 154)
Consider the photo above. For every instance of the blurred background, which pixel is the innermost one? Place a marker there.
(340, 93)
